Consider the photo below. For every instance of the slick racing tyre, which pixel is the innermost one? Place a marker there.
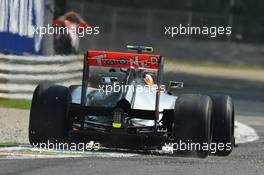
(193, 125)
(49, 114)
(223, 134)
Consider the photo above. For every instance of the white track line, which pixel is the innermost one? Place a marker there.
(10, 153)
(245, 133)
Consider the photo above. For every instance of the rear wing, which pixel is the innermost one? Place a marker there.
(123, 60)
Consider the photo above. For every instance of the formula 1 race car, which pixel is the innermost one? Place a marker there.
(123, 104)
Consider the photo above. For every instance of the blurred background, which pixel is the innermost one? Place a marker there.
(142, 22)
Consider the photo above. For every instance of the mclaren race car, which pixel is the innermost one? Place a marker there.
(122, 103)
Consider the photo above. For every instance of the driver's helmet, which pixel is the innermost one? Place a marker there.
(148, 79)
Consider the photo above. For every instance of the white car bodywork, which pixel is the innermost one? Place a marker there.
(142, 100)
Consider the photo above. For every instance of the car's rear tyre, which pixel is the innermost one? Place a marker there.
(223, 134)
(192, 124)
(49, 114)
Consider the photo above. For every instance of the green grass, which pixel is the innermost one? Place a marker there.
(170, 61)
(12, 103)
(3, 156)
(4, 145)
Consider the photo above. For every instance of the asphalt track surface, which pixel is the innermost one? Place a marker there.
(247, 158)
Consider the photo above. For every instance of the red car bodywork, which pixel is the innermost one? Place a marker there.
(123, 60)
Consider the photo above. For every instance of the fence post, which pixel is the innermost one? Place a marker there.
(48, 48)
(114, 23)
(149, 24)
(231, 17)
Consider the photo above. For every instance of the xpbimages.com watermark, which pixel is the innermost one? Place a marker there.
(181, 146)
(79, 31)
(116, 88)
(212, 31)
(72, 146)
(193, 146)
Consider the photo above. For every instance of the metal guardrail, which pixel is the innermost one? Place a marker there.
(19, 75)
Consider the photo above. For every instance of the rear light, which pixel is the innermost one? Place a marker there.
(118, 118)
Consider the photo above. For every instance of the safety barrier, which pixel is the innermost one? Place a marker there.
(19, 75)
